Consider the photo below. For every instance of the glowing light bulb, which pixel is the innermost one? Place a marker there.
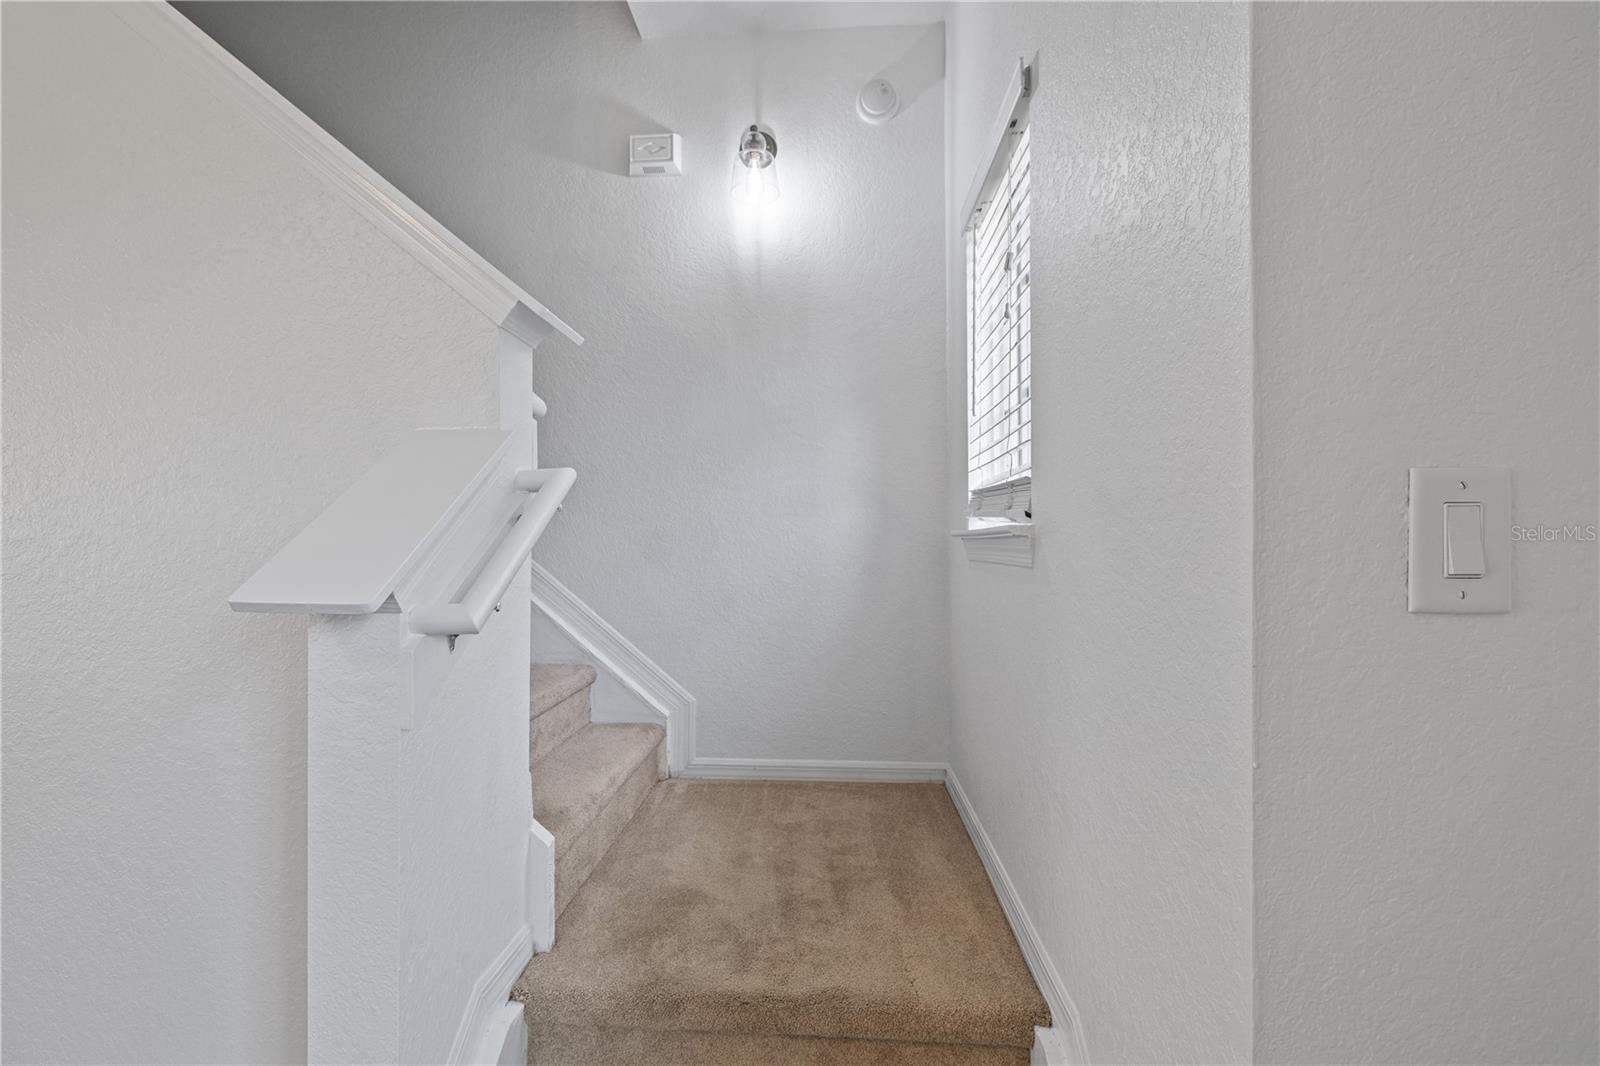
(755, 167)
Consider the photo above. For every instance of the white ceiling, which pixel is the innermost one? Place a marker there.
(689, 18)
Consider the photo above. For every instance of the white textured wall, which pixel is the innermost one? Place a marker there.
(757, 416)
(464, 832)
(1425, 817)
(202, 348)
(1102, 698)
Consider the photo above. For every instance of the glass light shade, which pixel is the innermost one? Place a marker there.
(755, 167)
(755, 184)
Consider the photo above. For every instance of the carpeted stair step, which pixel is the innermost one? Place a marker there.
(559, 1045)
(553, 682)
(559, 705)
(785, 923)
(587, 789)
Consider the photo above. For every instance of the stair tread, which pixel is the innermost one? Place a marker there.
(550, 683)
(573, 783)
(792, 909)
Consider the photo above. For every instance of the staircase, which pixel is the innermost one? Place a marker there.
(588, 778)
(775, 923)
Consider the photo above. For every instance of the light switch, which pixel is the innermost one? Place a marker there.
(1463, 540)
(1460, 540)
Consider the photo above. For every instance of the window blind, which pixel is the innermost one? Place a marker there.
(1000, 344)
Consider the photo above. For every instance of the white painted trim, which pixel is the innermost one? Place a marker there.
(1051, 1047)
(382, 531)
(612, 652)
(514, 1049)
(1009, 545)
(520, 406)
(1018, 90)
(541, 897)
(483, 1029)
(1068, 1036)
(813, 770)
(498, 297)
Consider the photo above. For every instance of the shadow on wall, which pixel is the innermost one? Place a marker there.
(596, 132)
(919, 69)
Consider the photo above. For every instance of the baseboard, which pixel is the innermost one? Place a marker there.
(813, 770)
(1063, 1043)
(514, 1046)
(1054, 1047)
(483, 1029)
(616, 655)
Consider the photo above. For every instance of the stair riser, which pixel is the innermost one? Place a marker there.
(551, 683)
(550, 729)
(566, 1045)
(579, 860)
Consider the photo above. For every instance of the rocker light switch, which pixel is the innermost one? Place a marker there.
(1460, 540)
(1463, 540)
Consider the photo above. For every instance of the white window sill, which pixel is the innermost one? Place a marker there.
(1007, 543)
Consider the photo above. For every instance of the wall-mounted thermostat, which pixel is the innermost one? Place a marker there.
(652, 154)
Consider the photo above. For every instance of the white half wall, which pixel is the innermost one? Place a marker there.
(1425, 810)
(1102, 698)
(464, 840)
(203, 347)
(757, 412)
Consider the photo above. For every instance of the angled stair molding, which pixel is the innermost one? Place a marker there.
(1062, 1044)
(496, 296)
(485, 1023)
(617, 656)
(813, 770)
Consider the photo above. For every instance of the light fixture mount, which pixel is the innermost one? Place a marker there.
(758, 147)
(755, 166)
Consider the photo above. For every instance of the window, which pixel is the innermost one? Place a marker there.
(999, 338)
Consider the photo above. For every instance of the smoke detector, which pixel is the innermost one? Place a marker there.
(878, 102)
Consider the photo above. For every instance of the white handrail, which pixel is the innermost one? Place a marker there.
(472, 612)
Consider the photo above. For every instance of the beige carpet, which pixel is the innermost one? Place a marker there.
(785, 922)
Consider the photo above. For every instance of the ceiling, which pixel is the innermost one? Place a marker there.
(690, 18)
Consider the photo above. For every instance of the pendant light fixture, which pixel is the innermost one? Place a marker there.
(755, 170)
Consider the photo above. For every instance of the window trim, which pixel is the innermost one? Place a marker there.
(1007, 543)
(995, 538)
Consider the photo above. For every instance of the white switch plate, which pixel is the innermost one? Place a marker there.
(1428, 589)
